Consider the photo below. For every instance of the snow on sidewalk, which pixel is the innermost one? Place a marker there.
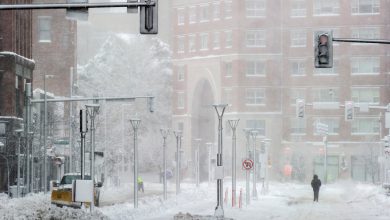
(339, 201)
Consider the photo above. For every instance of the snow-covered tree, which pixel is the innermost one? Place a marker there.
(129, 65)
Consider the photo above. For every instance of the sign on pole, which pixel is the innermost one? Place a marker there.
(387, 120)
(247, 164)
(321, 128)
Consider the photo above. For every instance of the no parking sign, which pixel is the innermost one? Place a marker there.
(247, 164)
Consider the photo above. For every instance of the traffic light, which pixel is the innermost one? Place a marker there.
(151, 104)
(300, 108)
(83, 121)
(77, 14)
(323, 50)
(149, 17)
(349, 111)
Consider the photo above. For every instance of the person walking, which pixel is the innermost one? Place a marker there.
(140, 183)
(316, 184)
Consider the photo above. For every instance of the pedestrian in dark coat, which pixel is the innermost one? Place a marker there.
(316, 184)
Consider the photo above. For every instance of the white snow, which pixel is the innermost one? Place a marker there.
(341, 200)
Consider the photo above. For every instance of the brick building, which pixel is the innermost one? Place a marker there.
(16, 69)
(257, 55)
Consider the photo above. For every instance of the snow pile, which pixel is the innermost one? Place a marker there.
(37, 206)
(153, 206)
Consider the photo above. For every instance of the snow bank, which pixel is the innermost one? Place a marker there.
(37, 206)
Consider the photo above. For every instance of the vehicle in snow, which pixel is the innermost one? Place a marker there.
(63, 193)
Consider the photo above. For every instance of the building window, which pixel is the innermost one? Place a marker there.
(192, 15)
(255, 96)
(180, 44)
(365, 126)
(365, 6)
(259, 125)
(326, 7)
(255, 68)
(297, 93)
(365, 65)
(227, 96)
(216, 11)
(328, 71)
(44, 28)
(255, 8)
(180, 100)
(180, 73)
(366, 95)
(191, 43)
(333, 125)
(204, 41)
(228, 9)
(325, 95)
(297, 67)
(216, 40)
(366, 33)
(204, 13)
(298, 8)
(255, 38)
(297, 126)
(180, 16)
(228, 69)
(228, 39)
(298, 38)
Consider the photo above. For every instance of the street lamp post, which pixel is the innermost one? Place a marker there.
(19, 133)
(265, 186)
(325, 139)
(247, 173)
(197, 165)
(165, 133)
(220, 109)
(92, 111)
(254, 192)
(135, 122)
(209, 147)
(178, 135)
(233, 125)
(27, 134)
(45, 133)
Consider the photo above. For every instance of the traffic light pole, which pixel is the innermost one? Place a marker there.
(77, 5)
(355, 40)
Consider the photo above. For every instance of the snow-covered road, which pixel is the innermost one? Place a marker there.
(342, 200)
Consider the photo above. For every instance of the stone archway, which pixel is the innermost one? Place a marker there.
(202, 123)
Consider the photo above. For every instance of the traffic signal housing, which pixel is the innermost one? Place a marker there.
(149, 18)
(80, 14)
(300, 108)
(349, 111)
(323, 49)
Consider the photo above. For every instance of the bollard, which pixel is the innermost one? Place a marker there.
(240, 199)
(226, 195)
(233, 198)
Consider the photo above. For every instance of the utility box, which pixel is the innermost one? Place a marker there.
(83, 190)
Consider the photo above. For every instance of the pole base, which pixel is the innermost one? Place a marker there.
(219, 212)
(254, 194)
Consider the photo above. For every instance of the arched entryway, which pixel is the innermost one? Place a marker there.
(202, 123)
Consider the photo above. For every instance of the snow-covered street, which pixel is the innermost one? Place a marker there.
(342, 200)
